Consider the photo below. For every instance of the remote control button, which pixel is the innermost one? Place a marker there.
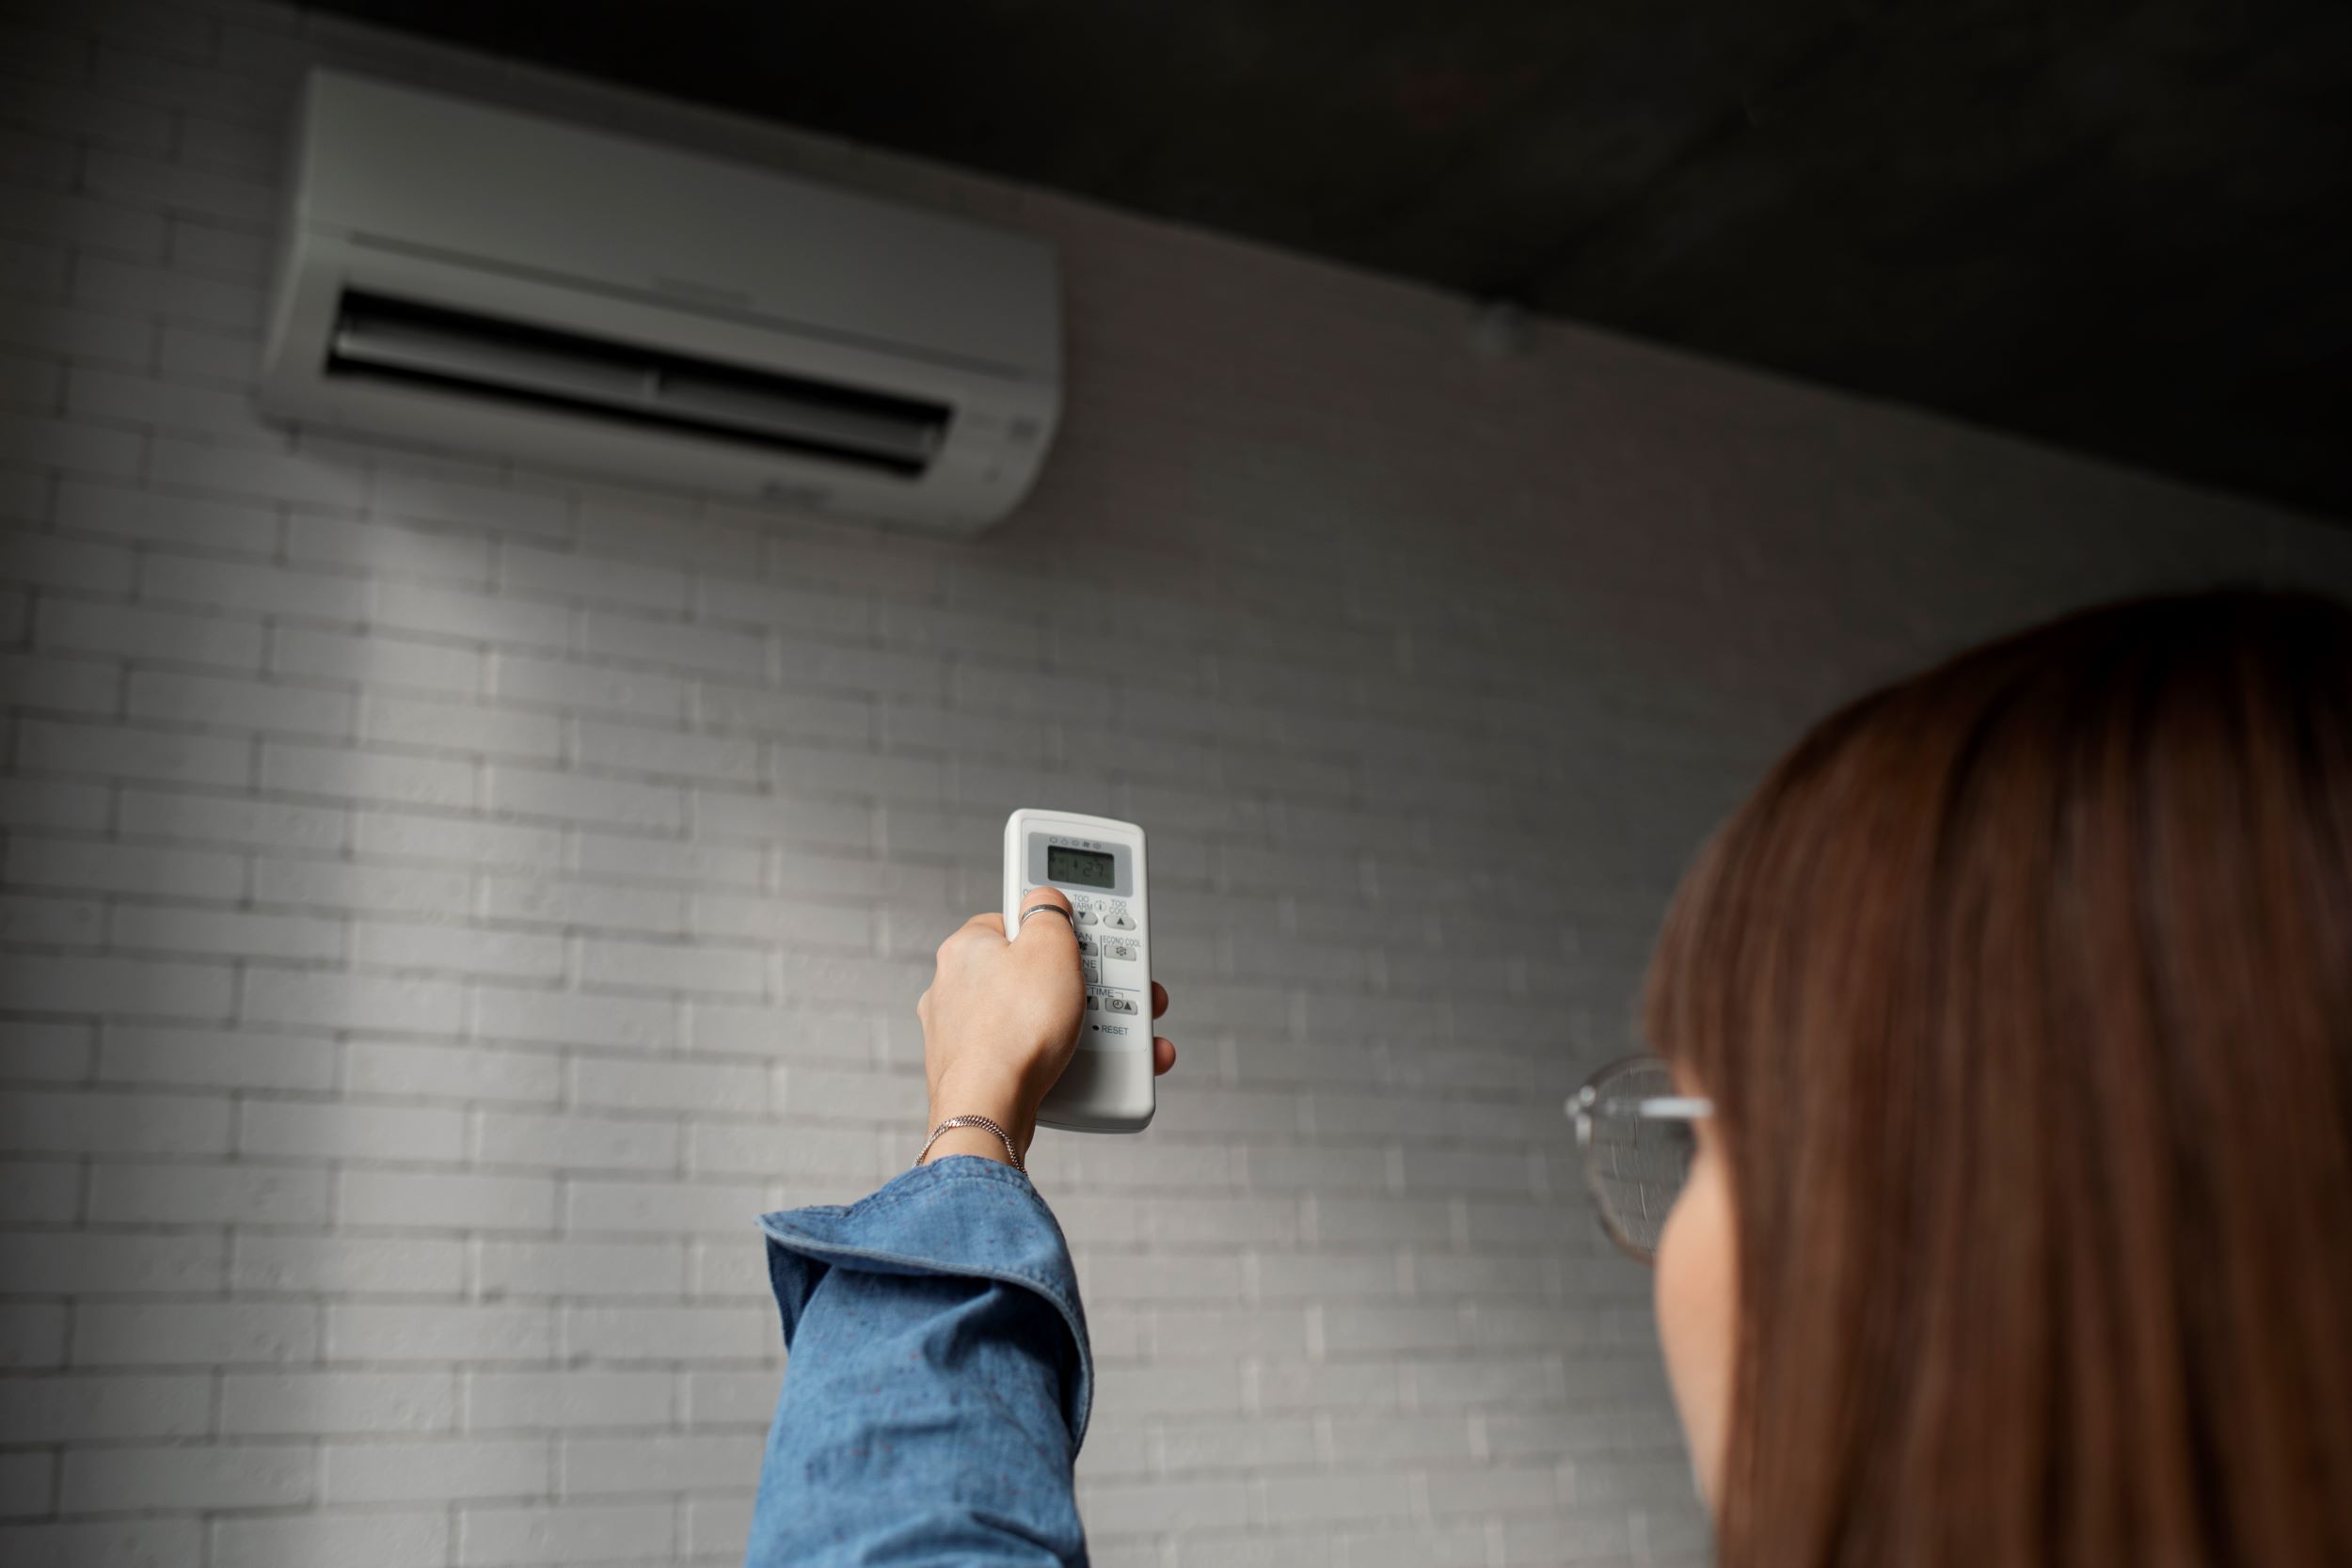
(1086, 944)
(1123, 950)
(1086, 917)
(1121, 923)
(1120, 1005)
(1094, 1004)
(1094, 970)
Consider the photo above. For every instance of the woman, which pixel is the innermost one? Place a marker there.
(2012, 1017)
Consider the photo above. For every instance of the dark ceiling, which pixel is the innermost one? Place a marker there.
(2123, 226)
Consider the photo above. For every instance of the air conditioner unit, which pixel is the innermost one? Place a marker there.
(481, 278)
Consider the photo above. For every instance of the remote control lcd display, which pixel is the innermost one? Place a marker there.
(1083, 867)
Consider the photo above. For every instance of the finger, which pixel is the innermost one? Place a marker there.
(1047, 898)
(1159, 999)
(1162, 1055)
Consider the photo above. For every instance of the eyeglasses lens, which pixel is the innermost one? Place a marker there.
(1636, 1165)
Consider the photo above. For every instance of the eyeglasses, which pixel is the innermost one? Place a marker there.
(1634, 1133)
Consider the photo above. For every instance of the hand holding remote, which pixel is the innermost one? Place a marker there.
(1000, 1023)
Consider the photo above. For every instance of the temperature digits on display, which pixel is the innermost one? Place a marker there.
(1080, 867)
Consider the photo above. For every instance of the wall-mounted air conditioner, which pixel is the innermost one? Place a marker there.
(475, 278)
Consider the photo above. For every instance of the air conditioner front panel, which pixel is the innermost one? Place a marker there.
(442, 175)
(980, 457)
(478, 280)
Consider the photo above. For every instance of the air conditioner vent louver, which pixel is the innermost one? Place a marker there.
(384, 338)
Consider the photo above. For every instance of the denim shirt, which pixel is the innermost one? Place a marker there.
(939, 1380)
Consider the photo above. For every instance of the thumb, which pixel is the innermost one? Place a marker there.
(1059, 927)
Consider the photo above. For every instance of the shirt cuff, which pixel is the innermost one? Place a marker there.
(960, 1216)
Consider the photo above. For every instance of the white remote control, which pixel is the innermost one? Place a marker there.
(1097, 863)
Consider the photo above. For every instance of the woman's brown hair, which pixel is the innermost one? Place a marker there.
(2023, 990)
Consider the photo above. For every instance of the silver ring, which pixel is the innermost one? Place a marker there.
(1043, 909)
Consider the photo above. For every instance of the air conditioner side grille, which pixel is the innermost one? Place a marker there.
(380, 339)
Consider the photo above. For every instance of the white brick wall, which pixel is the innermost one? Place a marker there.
(445, 901)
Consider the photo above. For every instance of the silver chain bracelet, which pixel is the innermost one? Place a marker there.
(1010, 1153)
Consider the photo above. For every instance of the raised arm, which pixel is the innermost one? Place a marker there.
(940, 1375)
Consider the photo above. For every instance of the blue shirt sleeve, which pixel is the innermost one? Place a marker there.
(938, 1380)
